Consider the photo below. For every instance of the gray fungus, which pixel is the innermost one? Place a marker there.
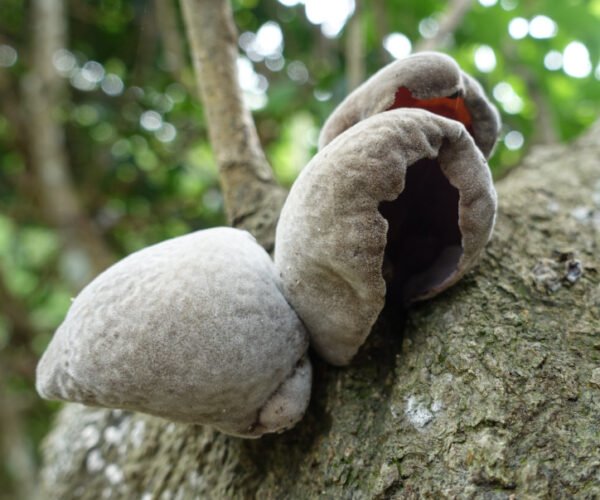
(194, 329)
(396, 207)
(427, 80)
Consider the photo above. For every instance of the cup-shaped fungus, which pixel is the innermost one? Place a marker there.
(194, 329)
(402, 204)
(427, 80)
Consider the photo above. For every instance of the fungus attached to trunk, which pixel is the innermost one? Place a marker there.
(427, 80)
(194, 329)
(401, 204)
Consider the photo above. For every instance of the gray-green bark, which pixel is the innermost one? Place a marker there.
(489, 391)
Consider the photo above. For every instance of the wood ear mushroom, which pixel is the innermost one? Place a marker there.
(194, 329)
(427, 80)
(401, 204)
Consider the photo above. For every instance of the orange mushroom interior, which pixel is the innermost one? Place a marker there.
(424, 243)
(452, 107)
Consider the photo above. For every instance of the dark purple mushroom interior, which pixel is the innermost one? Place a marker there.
(423, 240)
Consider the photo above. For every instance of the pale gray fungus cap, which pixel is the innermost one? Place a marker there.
(397, 208)
(194, 329)
(426, 80)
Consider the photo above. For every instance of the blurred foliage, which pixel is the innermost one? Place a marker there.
(137, 141)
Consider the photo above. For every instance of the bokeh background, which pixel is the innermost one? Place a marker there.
(103, 144)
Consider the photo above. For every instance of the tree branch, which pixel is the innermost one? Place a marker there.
(455, 13)
(382, 28)
(252, 196)
(355, 49)
(545, 131)
(147, 43)
(168, 25)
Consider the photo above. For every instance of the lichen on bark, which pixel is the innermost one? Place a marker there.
(491, 390)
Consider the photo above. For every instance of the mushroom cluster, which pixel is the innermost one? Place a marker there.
(397, 206)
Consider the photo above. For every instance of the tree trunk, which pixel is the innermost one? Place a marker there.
(489, 391)
(44, 91)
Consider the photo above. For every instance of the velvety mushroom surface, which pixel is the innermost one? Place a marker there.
(402, 203)
(195, 329)
(427, 80)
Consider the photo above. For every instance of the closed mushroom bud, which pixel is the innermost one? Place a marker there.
(402, 203)
(427, 80)
(194, 329)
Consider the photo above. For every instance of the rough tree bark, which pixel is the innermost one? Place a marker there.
(489, 391)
